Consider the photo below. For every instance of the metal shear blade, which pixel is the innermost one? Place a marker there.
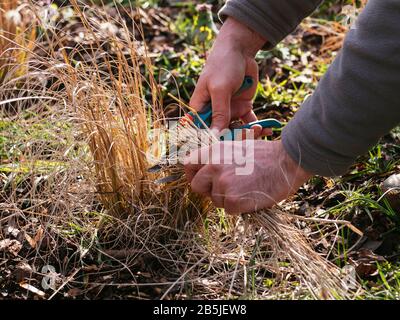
(168, 179)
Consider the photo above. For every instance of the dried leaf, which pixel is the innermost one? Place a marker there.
(31, 242)
(32, 289)
(365, 261)
(36, 239)
(39, 235)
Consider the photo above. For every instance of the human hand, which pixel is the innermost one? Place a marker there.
(230, 60)
(271, 175)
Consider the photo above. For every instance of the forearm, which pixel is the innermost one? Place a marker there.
(272, 19)
(357, 100)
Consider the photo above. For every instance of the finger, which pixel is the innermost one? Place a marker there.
(257, 131)
(232, 205)
(249, 116)
(252, 71)
(217, 196)
(202, 181)
(221, 102)
(239, 108)
(196, 161)
(200, 96)
(253, 133)
(235, 204)
(191, 170)
(266, 132)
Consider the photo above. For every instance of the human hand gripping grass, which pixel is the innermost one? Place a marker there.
(275, 176)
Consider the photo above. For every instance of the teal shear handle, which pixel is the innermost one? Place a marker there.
(265, 123)
(203, 118)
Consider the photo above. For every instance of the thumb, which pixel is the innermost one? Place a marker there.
(221, 104)
(200, 96)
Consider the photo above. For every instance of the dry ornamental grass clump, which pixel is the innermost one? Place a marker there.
(118, 121)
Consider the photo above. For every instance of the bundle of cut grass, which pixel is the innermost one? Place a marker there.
(323, 279)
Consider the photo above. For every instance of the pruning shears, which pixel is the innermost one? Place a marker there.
(203, 118)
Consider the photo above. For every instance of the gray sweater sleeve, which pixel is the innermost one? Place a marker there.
(273, 19)
(358, 99)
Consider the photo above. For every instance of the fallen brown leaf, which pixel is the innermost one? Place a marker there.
(33, 242)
